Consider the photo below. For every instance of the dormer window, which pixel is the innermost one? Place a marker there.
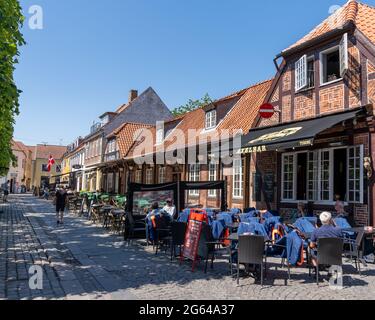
(334, 62)
(333, 65)
(210, 119)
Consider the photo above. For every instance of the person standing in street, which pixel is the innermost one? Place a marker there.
(61, 199)
(6, 191)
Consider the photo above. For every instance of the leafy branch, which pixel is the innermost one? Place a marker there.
(11, 21)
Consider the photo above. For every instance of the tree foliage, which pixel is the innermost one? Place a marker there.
(192, 105)
(11, 20)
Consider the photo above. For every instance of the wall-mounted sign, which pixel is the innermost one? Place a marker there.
(276, 135)
(267, 111)
(257, 149)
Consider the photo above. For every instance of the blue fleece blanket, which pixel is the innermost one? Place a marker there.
(226, 217)
(288, 247)
(255, 228)
(218, 227)
(304, 225)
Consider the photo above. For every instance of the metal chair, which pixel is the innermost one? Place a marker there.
(132, 226)
(330, 252)
(355, 250)
(251, 250)
(178, 231)
(163, 233)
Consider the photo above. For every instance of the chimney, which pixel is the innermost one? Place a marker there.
(133, 94)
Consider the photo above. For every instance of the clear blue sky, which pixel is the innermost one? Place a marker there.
(91, 53)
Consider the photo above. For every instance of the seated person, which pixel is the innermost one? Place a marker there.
(327, 230)
(340, 210)
(154, 210)
(170, 209)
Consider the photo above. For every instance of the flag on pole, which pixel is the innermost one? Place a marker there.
(51, 162)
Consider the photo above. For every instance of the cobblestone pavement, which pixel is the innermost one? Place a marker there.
(82, 261)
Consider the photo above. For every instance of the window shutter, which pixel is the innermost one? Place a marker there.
(344, 63)
(301, 73)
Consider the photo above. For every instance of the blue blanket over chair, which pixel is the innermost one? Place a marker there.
(304, 225)
(226, 217)
(289, 247)
(254, 228)
(184, 216)
(218, 227)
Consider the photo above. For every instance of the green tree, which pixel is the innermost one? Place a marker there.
(192, 105)
(11, 21)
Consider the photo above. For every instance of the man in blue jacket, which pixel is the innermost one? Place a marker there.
(327, 230)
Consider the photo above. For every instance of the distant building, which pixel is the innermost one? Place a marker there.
(41, 153)
(19, 172)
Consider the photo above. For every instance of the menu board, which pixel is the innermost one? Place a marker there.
(257, 182)
(268, 187)
(191, 244)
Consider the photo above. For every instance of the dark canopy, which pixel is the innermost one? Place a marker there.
(296, 134)
(179, 189)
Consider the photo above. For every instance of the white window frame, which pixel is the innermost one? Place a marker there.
(238, 178)
(162, 175)
(194, 176)
(211, 119)
(301, 73)
(344, 56)
(212, 176)
(342, 48)
(283, 156)
(319, 182)
(138, 176)
(149, 175)
(361, 148)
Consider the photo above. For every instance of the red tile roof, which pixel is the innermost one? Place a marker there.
(44, 151)
(361, 15)
(19, 146)
(126, 136)
(240, 117)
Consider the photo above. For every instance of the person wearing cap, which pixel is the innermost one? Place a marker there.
(170, 208)
(327, 230)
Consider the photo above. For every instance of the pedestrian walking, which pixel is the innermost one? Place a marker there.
(61, 199)
(6, 191)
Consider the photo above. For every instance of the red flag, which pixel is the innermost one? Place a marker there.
(51, 162)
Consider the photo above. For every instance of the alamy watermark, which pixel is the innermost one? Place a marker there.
(35, 16)
(36, 278)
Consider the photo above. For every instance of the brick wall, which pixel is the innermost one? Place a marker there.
(361, 215)
(287, 80)
(370, 67)
(304, 105)
(276, 95)
(331, 99)
(354, 77)
(286, 110)
(371, 91)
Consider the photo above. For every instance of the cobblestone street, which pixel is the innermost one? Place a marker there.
(83, 261)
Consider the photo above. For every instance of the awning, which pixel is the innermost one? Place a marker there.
(292, 135)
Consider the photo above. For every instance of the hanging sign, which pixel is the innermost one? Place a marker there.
(267, 111)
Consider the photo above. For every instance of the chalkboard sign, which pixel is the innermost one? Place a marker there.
(191, 243)
(268, 187)
(257, 191)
